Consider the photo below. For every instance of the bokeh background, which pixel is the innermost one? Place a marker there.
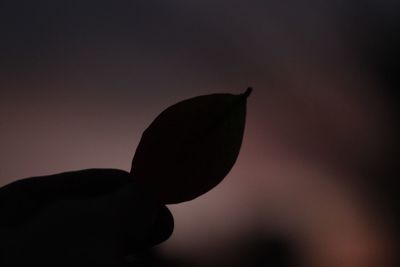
(315, 181)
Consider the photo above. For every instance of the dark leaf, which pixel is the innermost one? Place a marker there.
(191, 146)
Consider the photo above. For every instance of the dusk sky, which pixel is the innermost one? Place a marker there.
(81, 80)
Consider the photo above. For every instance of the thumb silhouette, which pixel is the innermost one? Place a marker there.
(86, 218)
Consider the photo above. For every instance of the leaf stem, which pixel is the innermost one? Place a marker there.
(248, 92)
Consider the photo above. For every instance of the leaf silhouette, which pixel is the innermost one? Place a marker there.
(191, 146)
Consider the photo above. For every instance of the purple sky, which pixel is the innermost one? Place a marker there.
(81, 80)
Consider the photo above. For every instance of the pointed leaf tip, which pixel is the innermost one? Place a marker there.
(248, 92)
(191, 146)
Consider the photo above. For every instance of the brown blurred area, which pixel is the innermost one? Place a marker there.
(316, 183)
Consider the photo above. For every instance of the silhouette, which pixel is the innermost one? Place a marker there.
(92, 217)
(191, 146)
(107, 217)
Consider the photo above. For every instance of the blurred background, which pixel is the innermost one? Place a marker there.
(316, 180)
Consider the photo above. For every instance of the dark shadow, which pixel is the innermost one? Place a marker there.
(270, 250)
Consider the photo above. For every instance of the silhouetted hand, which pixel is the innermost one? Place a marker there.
(85, 218)
(98, 217)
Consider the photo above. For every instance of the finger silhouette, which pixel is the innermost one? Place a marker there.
(85, 218)
(22, 199)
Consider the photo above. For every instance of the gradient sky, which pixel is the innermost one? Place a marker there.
(81, 80)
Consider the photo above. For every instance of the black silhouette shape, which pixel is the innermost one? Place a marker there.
(191, 146)
(103, 217)
(85, 218)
